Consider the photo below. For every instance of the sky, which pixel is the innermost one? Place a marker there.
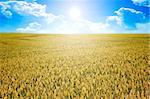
(75, 16)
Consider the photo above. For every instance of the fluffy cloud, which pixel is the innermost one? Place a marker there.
(128, 17)
(128, 20)
(24, 8)
(32, 27)
(4, 10)
(142, 2)
(114, 19)
(34, 9)
(67, 26)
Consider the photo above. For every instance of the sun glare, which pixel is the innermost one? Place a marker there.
(75, 13)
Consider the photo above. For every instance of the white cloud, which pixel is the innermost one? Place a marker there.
(34, 9)
(32, 27)
(26, 8)
(116, 19)
(128, 20)
(142, 2)
(128, 17)
(4, 10)
(67, 27)
(120, 11)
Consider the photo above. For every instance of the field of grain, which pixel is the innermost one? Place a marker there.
(74, 66)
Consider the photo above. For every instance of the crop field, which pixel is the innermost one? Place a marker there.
(35, 66)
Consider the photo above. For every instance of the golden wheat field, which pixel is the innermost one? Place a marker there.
(34, 66)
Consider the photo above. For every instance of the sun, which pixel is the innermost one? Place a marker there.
(75, 13)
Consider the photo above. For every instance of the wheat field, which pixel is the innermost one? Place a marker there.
(110, 66)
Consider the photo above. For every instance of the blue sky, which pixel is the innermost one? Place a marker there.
(75, 16)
